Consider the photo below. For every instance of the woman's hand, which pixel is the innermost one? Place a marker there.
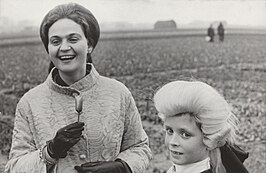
(64, 139)
(118, 166)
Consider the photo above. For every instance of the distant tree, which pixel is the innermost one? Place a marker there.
(168, 25)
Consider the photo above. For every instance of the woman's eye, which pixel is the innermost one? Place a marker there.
(55, 42)
(73, 40)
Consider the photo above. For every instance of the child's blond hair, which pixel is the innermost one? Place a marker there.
(207, 106)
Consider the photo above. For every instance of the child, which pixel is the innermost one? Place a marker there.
(200, 129)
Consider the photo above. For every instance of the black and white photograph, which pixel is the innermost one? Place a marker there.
(132, 86)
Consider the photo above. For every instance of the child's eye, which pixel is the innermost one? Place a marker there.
(185, 134)
(169, 131)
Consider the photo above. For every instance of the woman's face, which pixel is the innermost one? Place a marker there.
(68, 47)
(184, 140)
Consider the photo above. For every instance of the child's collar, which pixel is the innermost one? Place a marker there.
(193, 167)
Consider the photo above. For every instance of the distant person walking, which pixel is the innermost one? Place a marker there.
(210, 34)
(220, 31)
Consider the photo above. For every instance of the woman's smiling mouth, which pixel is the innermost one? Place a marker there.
(66, 57)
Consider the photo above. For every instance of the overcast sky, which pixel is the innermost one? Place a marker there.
(235, 12)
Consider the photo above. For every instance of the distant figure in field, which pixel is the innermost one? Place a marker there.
(220, 31)
(210, 34)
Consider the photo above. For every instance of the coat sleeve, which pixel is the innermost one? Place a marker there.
(24, 155)
(135, 149)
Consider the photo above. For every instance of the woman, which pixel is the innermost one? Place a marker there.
(76, 120)
(200, 129)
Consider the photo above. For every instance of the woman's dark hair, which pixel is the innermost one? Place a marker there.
(78, 14)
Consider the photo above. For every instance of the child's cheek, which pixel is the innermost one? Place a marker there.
(166, 140)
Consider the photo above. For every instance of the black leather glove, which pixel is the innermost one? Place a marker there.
(118, 166)
(64, 139)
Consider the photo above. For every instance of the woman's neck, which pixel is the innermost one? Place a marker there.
(70, 78)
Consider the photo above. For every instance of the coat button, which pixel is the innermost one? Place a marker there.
(82, 156)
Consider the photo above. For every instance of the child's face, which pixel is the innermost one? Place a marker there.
(184, 140)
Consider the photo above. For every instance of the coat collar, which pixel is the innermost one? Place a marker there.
(83, 84)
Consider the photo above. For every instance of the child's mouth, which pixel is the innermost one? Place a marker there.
(176, 153)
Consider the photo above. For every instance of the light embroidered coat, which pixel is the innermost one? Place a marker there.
(113, 127)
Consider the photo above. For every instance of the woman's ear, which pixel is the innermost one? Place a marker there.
(90, 49)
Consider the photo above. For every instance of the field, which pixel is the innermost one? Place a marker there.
(236, 67)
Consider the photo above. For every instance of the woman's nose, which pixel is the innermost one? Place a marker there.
(65, 46)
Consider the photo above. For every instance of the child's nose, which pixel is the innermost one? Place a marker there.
(174, 141)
